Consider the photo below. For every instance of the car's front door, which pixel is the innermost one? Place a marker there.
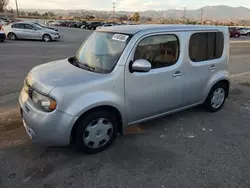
(30, 31)
(160, 90)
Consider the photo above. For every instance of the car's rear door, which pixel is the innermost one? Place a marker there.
(18, 30)
(203, 61)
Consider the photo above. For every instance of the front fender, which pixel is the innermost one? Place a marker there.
(218, 76)
(94, 99)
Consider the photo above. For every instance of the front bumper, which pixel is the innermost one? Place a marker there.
(55, 37)
(45, 128)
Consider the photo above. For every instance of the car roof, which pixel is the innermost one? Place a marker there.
(133, 29)
(23, 22)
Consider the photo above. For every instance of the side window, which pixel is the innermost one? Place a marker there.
(160, 50)
(206, 46)
(17, 26)
(28, 26)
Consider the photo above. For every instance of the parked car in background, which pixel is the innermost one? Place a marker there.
(44, 26)
(235, 33)
(79, 24)
(245, 31)
(63, 23)
(2, 22)
(94, 25)
(108, 25)
(52, 23)
(89, 98)
(49, 22)
(27, 30)
(2, 36)
(85, 26)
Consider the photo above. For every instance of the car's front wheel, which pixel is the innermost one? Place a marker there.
(236, 35)
(46, 38)
(96, 131)
(248, 34)
(216, 97)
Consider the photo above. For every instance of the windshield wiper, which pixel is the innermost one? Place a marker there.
(74, 61)
(88, 67)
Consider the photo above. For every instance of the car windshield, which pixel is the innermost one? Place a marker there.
(41, 25)
(101, 51)
(37, 26)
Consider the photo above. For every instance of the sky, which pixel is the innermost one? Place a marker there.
(132, 5)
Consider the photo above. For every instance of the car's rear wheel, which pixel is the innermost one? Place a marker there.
(248, 34)
(12, 36)
(216, 97)
(96, 131)
(46, 38)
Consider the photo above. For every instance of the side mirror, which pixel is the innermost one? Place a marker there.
(140, 65)
(34, 29)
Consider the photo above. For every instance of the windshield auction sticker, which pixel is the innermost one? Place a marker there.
(120, 37)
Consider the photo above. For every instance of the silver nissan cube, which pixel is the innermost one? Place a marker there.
(124, 75)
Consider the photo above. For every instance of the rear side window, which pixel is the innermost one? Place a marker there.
(206, 46)
(18, 26)
(160, 50)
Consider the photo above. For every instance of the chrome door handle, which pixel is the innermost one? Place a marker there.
(177, 74)
(212, 67)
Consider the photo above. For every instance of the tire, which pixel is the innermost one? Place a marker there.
(12, 36)
(236, 35)
(46, 38)
(248, 34)
(102, 135)
(219, 91)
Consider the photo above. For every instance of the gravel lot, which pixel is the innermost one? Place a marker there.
(193, 148)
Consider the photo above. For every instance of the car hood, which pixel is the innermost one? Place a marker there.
(46, 77)
(49, 30)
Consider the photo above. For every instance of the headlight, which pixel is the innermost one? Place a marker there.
(43, 102)
(53, 33)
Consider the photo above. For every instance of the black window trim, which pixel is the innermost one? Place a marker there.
(29, 25)
(215, 44)
(154, 35)
(17, 24)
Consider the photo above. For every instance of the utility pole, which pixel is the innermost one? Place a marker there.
(202, 16)
(113, 2)
(17, 12)
(184, 15)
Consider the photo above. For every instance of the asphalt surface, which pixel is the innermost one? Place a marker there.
(192, 148)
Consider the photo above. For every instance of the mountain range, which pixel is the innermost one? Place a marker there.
(214, 13)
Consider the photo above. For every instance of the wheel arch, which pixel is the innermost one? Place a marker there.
(223, 81)
(46, 34)
(94, 109)
(7, 35)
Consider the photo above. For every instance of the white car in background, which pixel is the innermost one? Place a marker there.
(2, 22)
(245, 31)
(27, 30)
(107, 25)
(54, 23)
